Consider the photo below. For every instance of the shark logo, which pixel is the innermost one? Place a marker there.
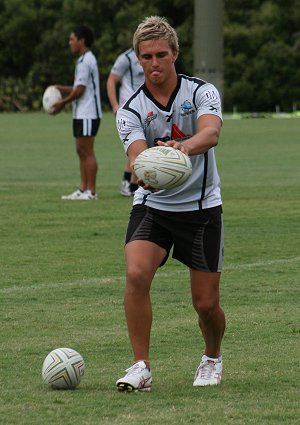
(187, 108)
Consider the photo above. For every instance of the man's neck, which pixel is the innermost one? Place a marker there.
(163, 92)
(83, 51)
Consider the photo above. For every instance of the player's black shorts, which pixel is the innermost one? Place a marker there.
(85, 127)
(196, 236)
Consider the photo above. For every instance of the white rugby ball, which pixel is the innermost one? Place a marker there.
(63, 368)
(50, 96)
(163, 167)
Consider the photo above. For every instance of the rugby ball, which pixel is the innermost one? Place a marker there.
(163, 167)
(63, 368)
(50, 96)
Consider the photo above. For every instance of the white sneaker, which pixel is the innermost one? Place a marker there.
(88, 196)
(137, 378)
(209, 372)
(73, 196)
(78, 195)
(125, 188)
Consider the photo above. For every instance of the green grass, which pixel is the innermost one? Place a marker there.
(62, 281)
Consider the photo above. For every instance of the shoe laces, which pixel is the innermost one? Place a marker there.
(206, 369)
(134, 369)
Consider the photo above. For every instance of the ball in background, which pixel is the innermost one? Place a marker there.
(50, 96)
(163, 167)
(63, 368)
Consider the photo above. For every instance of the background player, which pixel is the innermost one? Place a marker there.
(127, 75)
(87, 112)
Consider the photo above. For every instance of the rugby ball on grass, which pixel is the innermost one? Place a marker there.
(50, 96)
(163, 167)
(63, 368)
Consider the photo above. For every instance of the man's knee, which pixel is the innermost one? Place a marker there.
(206, 308)
(137, 279)
(134, 273)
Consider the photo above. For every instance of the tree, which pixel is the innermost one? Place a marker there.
(34, 37)
(261, 40)
(261, 46)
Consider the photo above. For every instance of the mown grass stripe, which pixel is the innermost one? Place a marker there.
(113, 279)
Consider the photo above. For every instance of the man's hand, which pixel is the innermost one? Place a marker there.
(173, 144)
(146, 186)
(58, 106)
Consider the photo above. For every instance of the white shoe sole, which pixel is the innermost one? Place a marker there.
(125, 387)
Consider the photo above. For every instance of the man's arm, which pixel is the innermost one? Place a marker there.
(133, 151)
(64, 89)
(111, 87)
(207, 136)
(75, 93)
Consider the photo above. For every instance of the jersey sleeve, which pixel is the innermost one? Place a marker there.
(208, 101)
(129, 127)
(82, 74)
(120, 66)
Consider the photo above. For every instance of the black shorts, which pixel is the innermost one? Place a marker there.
(85, 127)
(196, 236)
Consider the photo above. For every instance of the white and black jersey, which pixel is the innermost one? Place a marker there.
(143, 117)
(87, 74)
(128, 68)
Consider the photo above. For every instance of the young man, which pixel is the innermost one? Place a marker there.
(128, 73)
(87, 113)
(188, 218)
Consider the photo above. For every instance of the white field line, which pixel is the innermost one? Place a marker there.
(113, 279)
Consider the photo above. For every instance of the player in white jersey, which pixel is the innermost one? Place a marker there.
(184, 113)
(87, 112)
(129, 75)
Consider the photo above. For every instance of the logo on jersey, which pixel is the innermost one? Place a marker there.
(121, 124)
(126, 138)
(177, 134)
(187, 108)
(150, 117)
(169, 117)
(211, 94)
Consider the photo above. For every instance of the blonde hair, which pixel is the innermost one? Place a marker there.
(154, 28)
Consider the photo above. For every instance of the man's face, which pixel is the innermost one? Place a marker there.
(75, 44)
(157, 60)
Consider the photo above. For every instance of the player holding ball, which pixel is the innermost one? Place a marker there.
(188, 218)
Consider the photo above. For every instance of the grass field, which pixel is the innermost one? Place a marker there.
(62, 280)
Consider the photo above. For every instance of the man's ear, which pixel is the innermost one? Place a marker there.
(82, 41)
(175, 55)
